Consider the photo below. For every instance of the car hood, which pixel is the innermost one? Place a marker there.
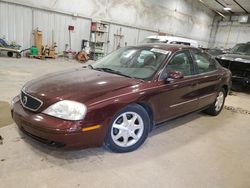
(79, 85)
(235, 57)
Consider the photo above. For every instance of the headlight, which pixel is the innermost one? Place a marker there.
(69, 110)
(13, 101)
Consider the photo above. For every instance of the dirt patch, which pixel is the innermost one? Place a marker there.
(5, 116)
(237, 110)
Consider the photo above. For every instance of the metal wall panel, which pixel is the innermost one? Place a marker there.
(49, 22)
(16, 24)
(231, 33)
(130, 36)
(142, 34)
(186, 18)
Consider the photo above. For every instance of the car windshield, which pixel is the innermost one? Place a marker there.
(243, 49)
(134, 62)
(152, 40)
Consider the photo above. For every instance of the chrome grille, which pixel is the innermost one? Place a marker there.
(29, 102)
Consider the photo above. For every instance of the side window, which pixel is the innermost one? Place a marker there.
(204, 62)
(181, 62)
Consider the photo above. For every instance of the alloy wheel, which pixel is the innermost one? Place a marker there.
(219, 101)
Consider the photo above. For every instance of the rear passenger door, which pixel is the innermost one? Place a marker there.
(208, 78)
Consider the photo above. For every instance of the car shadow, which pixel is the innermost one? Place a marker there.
(174, 123)
(176, 136)
(171, 136)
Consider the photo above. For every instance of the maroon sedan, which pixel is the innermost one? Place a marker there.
(119, 99)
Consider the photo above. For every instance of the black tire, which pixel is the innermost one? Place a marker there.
(213, 110)
(10, 54)
(135, 109)
(18, 55)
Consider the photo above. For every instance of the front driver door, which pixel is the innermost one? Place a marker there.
(177, 97)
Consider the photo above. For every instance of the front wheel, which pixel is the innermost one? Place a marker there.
(217, 106)
(128, 130)
(18, 55)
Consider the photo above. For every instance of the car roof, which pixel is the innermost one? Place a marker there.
(168, 47)
(170, 38)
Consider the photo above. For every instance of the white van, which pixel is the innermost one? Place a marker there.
(171, 40)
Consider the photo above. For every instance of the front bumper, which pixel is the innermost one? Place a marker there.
(240, 71)
(242, 80)
(54, 131)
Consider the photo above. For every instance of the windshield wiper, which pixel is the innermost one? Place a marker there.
(112, 71)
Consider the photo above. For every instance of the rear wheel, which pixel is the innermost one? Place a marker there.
(128, 129)
(10, 54)
(217, 106)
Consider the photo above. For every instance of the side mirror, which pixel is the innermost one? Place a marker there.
(175, 75)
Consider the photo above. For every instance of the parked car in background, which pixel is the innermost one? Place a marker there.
(171, 40)
(238, 61)
(119, 99)
(214, 51)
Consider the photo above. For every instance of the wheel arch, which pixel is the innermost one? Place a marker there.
(226, 88)
(149, 112)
